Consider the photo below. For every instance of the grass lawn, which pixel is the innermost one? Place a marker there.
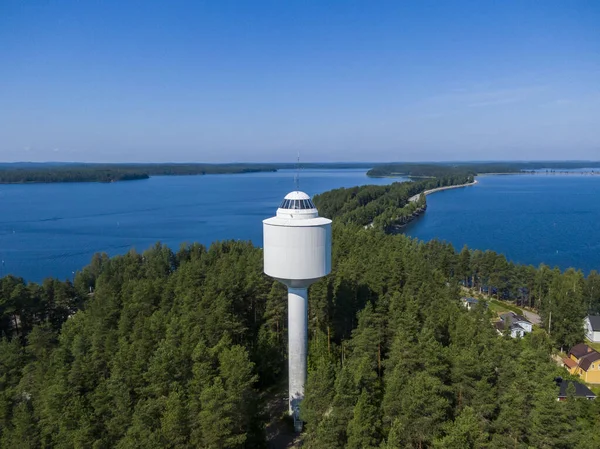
(496, 307)
(494, 304)
(499, 306)
(596, 346)
(595, 389)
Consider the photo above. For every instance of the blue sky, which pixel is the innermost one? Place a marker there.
(222, 81)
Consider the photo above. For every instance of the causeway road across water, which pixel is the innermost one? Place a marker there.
(439, 189)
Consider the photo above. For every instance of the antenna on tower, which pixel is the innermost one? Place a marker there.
(297, 177)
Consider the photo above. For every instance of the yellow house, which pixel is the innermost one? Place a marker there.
(584, 362)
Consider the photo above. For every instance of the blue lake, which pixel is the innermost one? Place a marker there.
(554, 219)
(54, 229)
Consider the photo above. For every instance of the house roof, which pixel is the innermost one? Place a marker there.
(470, 300)
(516, 327)
(580, 350)
(570, 363)
(501, 325)
(595, 322)
(520, 318)
(512, 317)
(588, 359)
(580, 390)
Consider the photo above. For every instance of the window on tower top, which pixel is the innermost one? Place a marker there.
(297, 204)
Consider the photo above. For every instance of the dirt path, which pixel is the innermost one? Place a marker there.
(532, 316)
(280, 428)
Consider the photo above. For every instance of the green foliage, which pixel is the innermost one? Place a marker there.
(385, 207)
(166, 349)
(418, 370)
(46, 173)
(472, 168)
(158, 356)
(467, 431)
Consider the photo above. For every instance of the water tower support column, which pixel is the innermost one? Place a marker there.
(298, 344)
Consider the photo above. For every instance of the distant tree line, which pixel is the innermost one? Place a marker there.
(473, 168)
(13, 173)
(116, 172)
(69, 175)
(17, 173)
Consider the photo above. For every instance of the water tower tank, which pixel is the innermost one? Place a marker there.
(297, 252)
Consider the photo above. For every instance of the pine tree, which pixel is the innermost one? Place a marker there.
(464, 265)
(23, 432)
(319, 388)
(174, 425)
(548, 419)
(422, 412)
(465, 432)
(363, 429)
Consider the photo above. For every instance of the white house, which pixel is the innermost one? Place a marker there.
(469, 303)
(592, 328)
(517, 325)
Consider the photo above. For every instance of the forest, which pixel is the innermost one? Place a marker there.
(383, 207)
(420, 170)
(185, 349)
(19, 173)
(49, 173)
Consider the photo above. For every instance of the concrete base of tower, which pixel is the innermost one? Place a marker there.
(297, 347)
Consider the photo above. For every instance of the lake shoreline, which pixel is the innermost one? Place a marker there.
(399, 228)
(414, 198)
(531, 219)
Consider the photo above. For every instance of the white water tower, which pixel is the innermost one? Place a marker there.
(297, 252)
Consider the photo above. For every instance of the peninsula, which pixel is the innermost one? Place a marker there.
(439, 189)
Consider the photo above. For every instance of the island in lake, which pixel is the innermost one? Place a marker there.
(26, 173)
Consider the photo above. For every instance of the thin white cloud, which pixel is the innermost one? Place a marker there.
(488, 97)
(499, 101)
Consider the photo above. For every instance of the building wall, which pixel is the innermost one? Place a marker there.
(593, 336)
(516, 333)
(592, 375)
(525, 325)
(589, 333)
